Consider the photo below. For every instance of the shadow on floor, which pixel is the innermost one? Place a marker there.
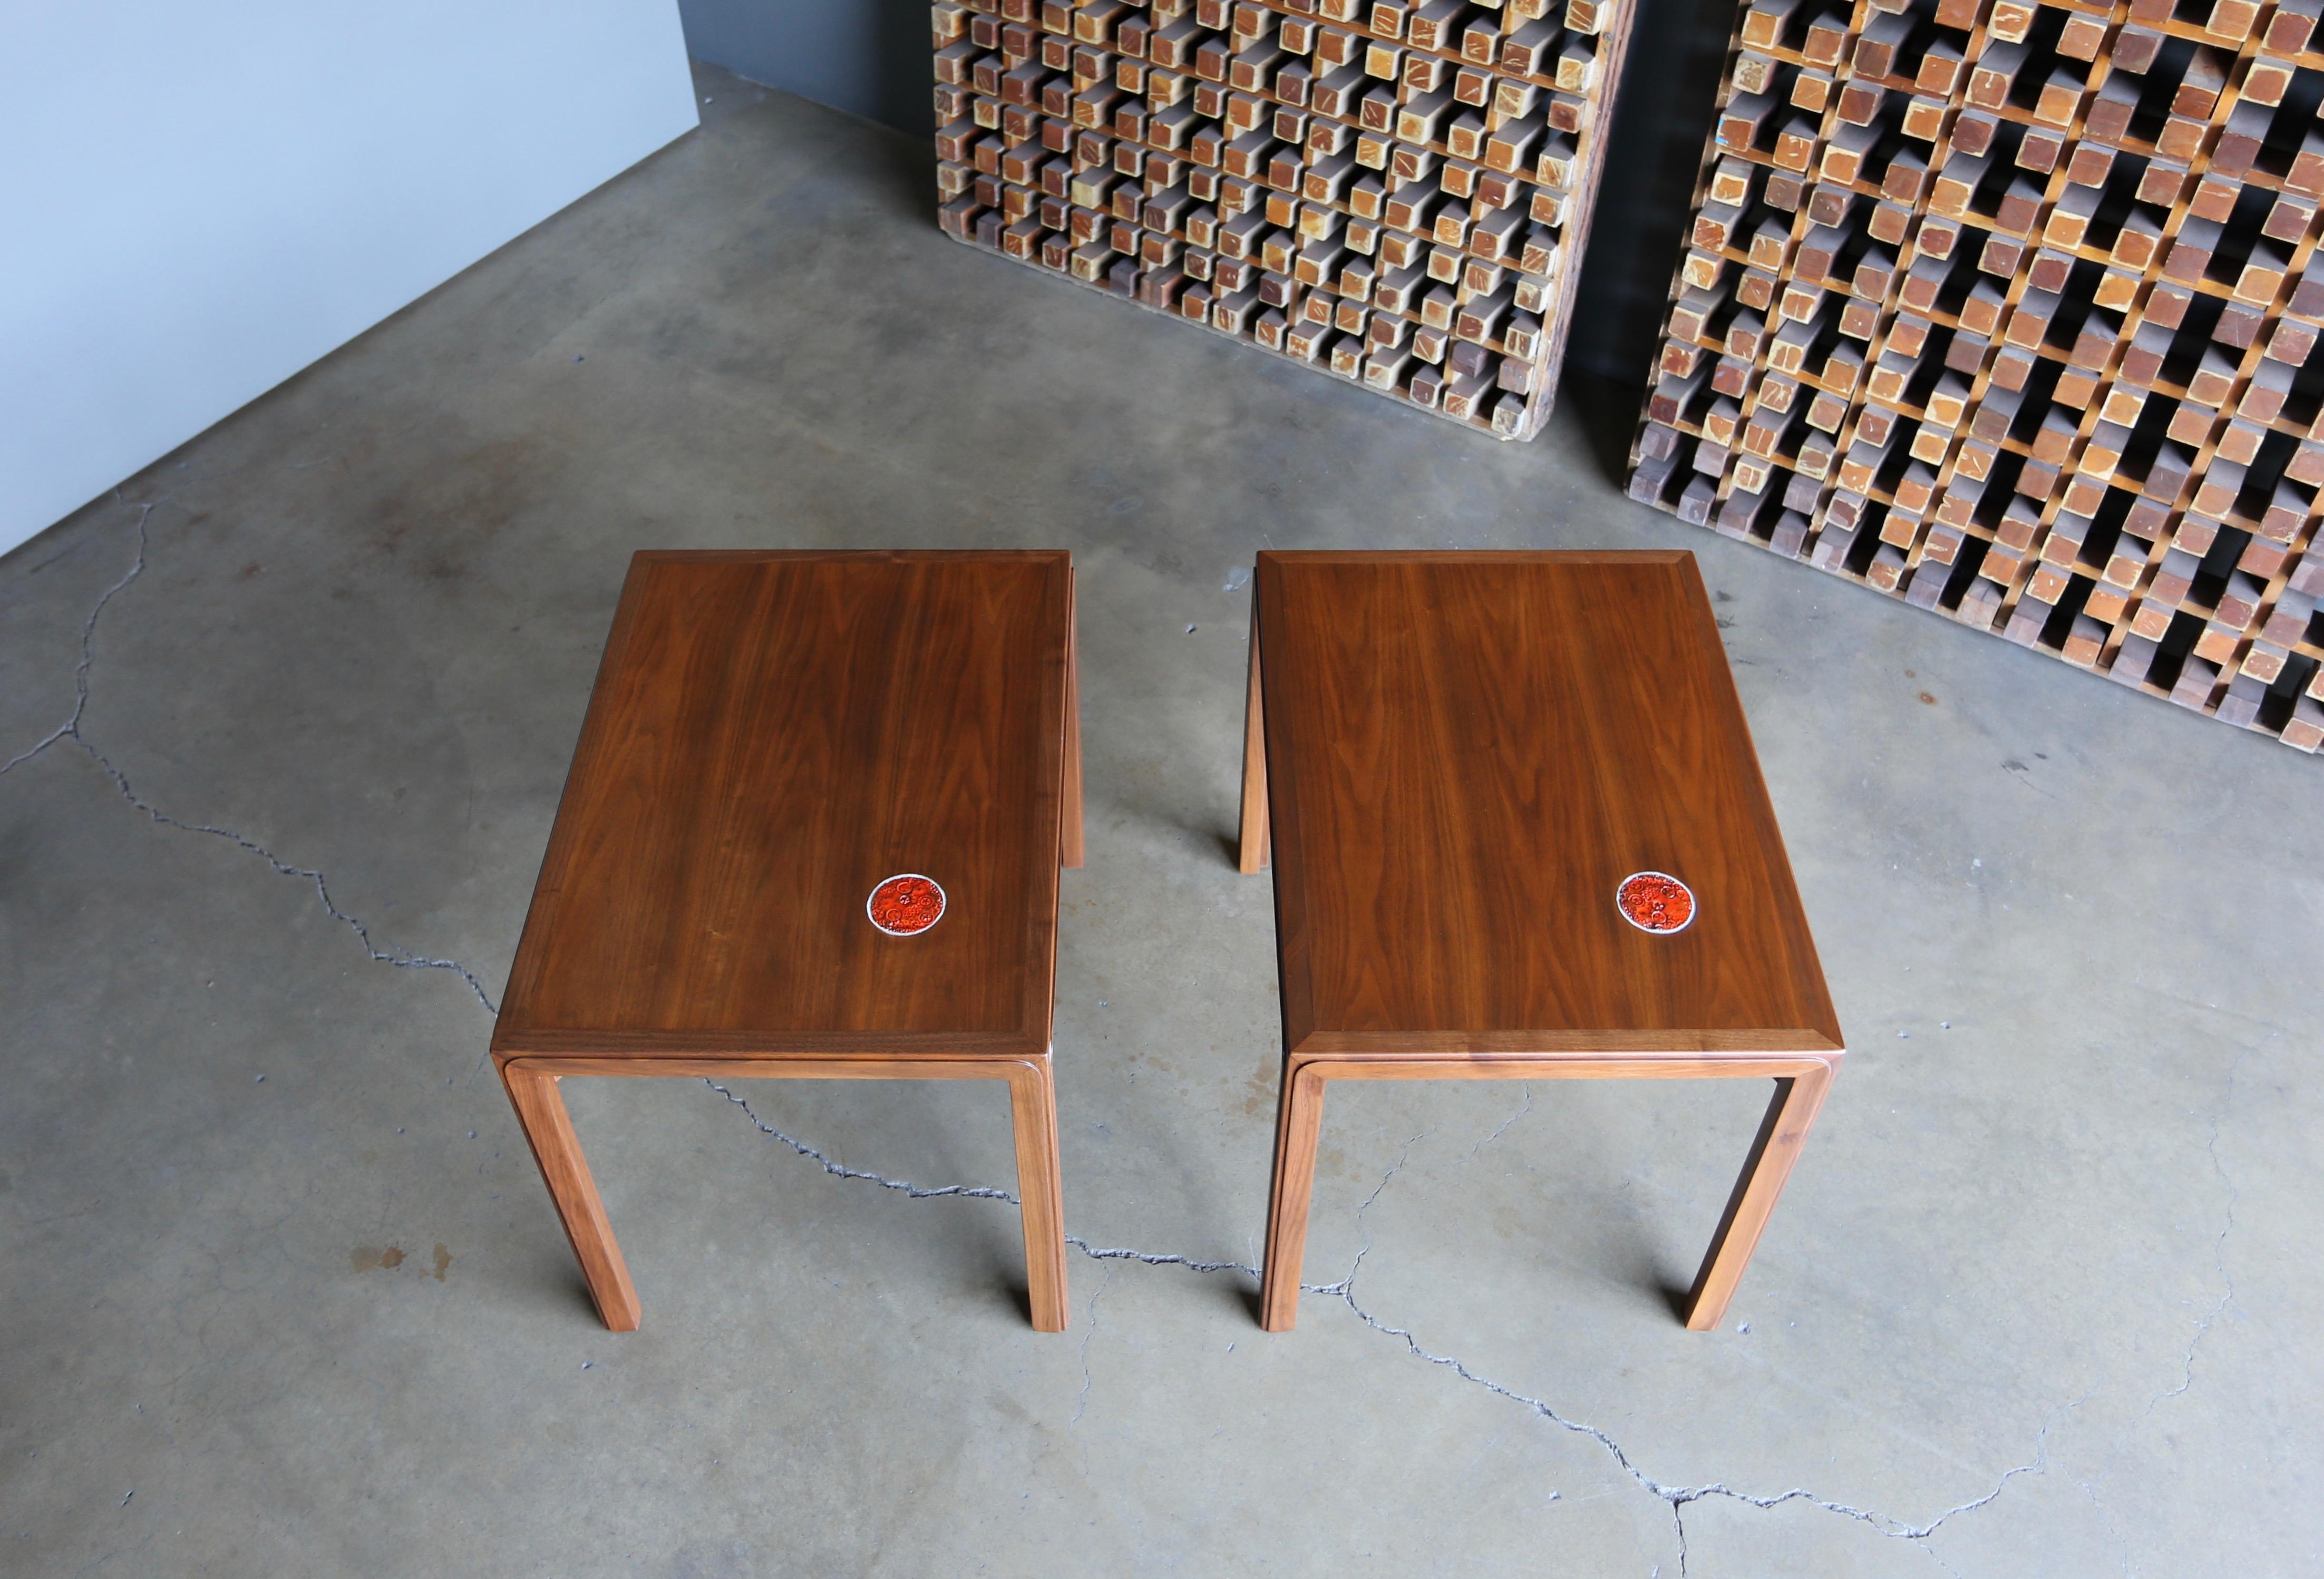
(1608, 409)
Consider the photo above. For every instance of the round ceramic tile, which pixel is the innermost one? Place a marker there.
(906, 905)
(1655, 901)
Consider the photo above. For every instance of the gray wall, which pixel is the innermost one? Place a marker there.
(867, 57)
(871, 58)
(202, 199)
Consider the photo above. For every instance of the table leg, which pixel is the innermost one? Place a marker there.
(1070, 839)
(1298, 1124)
(1254, 837)
(1041, 1190)
(1781, 1133)
(541, 1109)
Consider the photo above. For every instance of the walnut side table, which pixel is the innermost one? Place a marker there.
(772, 737)
(1463, 759)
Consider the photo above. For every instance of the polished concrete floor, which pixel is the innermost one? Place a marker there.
(283, 1295)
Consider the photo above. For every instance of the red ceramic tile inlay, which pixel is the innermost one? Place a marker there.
(906, 904)
(1656, 902)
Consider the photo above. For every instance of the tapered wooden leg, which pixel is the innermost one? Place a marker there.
(1781, 1133)
(1298, 1122)
(1070, 834)
(541, 1109)
(1041, 1190)
(1253, 839)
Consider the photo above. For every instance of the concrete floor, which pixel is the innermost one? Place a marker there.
(283, 1293)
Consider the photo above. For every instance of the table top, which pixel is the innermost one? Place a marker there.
(771, 736)
(1467, 755)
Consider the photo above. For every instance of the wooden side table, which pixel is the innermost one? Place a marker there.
(772, 737)
(1463, 759)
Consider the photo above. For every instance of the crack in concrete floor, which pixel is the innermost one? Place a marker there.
(2204, 1323)
(1677, 1496)
(70, 729)
(1089, 1332)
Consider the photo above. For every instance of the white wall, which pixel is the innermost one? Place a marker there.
(196, 200)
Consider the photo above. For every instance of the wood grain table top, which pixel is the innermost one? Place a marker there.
(772, 735)
(1467, 753)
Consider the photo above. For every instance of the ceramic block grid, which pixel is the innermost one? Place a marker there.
(2010, 311)
(1396, 194)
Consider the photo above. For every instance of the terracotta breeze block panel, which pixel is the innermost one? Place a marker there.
(2010, 310)
(1393, 194)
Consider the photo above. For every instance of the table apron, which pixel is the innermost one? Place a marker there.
(1556, 1066)
(869, 1066)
